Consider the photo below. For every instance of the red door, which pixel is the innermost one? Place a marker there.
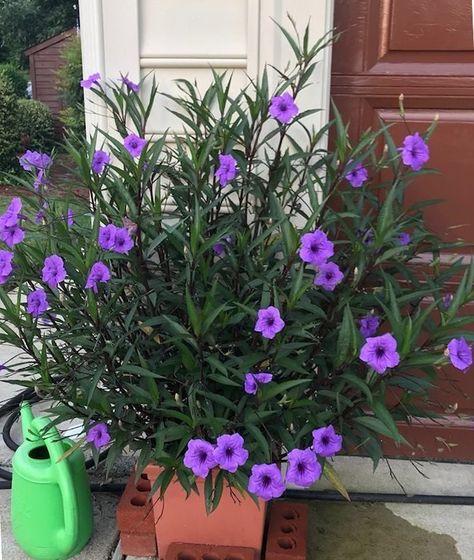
(425, 50)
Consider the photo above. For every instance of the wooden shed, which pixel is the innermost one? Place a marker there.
(45, 59)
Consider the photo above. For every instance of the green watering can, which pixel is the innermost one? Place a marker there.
(51, 505)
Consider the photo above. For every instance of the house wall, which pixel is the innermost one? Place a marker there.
(171, 39)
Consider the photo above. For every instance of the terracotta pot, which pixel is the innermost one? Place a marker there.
(184, 520)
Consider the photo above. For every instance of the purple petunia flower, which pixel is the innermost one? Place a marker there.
(326, 442)
(447, 300)
(227, 170)
(329, 276)
(40, 180)
(283, 108)
(380, 352)
(37, 302)
(122, 241)
(31, 161)
(369, 324)
(130, 85)
(230, 453)
(99, 160)
(316, 248)
(404, 238)
(460, 353)
(99, 273)
(12, 214)
(199, 457)
(107, 237)
(93, 79)
(6, 266)
(53, 271)
(70, 217)
(303, 468)
(219, 249)
(266, 481)
(415, 151)
(357, 176)
(252, 381)
(98, 435)
(269, 322)
(12, 235)
(134, 145)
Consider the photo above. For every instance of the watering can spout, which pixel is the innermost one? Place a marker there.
(27, 418)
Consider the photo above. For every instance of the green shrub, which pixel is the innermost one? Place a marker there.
(9, 139)
(17, 76)
(35, 125)
(220, 284)
(69, 77)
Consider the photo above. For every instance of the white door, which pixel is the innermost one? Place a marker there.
(185, 38)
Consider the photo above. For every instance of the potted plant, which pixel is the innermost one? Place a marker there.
(233, 298)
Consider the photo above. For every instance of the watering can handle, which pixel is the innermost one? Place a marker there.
(56, 449)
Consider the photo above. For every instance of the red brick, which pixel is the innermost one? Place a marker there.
(135, 519)
(287, 531)
(135, 544)
(189, 551)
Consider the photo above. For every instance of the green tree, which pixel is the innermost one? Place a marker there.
(9, 139)
(20, 28)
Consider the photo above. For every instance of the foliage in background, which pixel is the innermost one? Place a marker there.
(35, 125)
(24, 23)
(143, 315)
(9, 139)
(69, 77)
(17, 77)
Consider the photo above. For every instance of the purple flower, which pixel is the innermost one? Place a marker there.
(39, 216)
(53, 271)
(230, 453)
(303, 468)
(283, 108)
(37, 302)
(134, 145)
(3, 367)
(460, 353)
(199, 457)
(98, 435)
(447, 300)
(329, 276)
(219, 249)
(98, 273)
(357, 176)
(107, 237)
(380, 352)
(130, 85)
(316, 248)
(99, 160)
(12, 235)
(404, 238)
(369, 324)
(11, 215)
(326, 442)
(93, 79)
(70, 217)
(415, 151)
(40, 179)
(269, 322)
(367, 236)
(252, 380)
(266, 481)
(122, 241)
(227, 170)
(6, 266)
(35, 160)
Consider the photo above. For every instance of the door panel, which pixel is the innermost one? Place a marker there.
(425, 50)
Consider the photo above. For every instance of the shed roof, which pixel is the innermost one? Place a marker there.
(51, 41)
